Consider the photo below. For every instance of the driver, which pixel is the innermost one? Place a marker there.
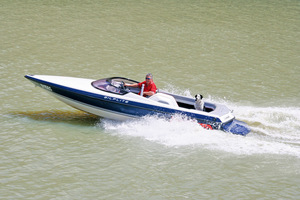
(149, 86)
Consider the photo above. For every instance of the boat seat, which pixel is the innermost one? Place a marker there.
(164, 98)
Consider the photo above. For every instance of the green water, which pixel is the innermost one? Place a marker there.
(242, 54)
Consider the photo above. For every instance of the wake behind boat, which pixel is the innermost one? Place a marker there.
(109, 98)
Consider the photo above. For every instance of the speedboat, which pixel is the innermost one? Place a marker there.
(109, 98)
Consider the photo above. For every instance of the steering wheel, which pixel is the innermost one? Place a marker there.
(122, 86)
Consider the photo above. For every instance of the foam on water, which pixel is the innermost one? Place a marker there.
(282, 123)
(275, 130)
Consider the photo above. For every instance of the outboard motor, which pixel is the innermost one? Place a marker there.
(236, 127)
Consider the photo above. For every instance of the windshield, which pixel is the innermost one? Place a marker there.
(113, 85)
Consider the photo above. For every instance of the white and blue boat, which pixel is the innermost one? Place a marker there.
(108, 98)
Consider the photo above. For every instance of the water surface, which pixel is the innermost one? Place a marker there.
(242, 54)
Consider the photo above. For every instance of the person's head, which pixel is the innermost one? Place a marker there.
(149, 78)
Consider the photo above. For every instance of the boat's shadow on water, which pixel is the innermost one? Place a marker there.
(71, 117)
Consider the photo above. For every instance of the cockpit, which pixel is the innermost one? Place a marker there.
(115, 85)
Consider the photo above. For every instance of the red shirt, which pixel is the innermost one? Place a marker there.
(148, 88)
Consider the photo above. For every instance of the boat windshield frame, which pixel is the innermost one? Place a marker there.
(113, 85)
